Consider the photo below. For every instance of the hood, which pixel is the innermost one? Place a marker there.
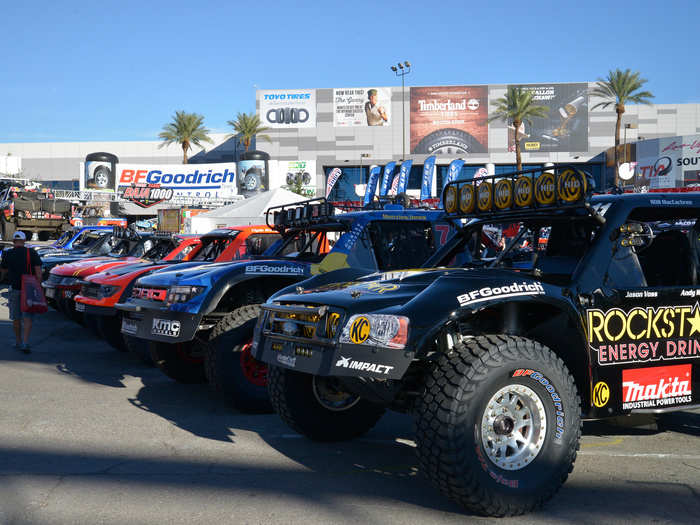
(187, 272)
(123, 275)
(454, 288)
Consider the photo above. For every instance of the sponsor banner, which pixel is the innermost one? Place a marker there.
(371, 189)
(449, 120)
(428, 178)
(147, 195)
(294, 174)
(97, 176)
(453, 171)
(333, 177)
(288, 108)
(404, 172)
(277, 269)
(361, 107)
(671, 162)
(565, 128)
(196, 180)
(500, 292)
(388, 178)
(644, 332)
(656, 387)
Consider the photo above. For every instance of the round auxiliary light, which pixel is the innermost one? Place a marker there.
(523, 192)
(451, 199)
(571, 185)
(483, 196)
(467, 198)
(503, 194)
(545, 189)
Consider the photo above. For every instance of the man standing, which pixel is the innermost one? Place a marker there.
(16, 262)
(376, 115)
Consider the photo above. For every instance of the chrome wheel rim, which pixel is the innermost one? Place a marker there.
(513, 427)
(330, 396)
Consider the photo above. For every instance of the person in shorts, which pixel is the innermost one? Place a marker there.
(14, 265)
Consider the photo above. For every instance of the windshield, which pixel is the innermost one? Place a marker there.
(122, 248)
(256, 244)
(99, 243)
(63, 239)
(212, 248)
(549, 247)
(302, 245)
(159, 249)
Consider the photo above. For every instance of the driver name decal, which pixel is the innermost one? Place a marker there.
(509, 290)
(644, 333)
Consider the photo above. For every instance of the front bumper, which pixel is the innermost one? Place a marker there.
(91, 309)
(51, 291)
(158, 324)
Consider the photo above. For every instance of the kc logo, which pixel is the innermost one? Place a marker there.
(359, 331)
(601, 394)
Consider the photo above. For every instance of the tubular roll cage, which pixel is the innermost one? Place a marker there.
(301, 215)
(561, 176)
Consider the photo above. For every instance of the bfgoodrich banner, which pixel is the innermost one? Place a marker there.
(449, 120)
(195, 180)
(361, 107)
(566, 126)
(290, 108)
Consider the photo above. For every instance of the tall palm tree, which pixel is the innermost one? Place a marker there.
(517, 107)
(246, 127)
(620, 88)
(186, 129)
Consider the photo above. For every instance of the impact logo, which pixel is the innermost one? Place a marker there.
(656, 387)
(644, 333)
(166, 327)
(492, 293)
(361, 366)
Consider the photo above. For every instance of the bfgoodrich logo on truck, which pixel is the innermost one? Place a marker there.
(497, 292)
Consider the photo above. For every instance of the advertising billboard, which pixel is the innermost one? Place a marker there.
(299, 174)
(288, 108)
(566, 126)
(361, 107)
(449, 120)
(194, 180)
(670, 162)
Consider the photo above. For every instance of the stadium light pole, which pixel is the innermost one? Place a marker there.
(401, 70)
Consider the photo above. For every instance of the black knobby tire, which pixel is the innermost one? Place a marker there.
(450, 424)
(183, 362)
(293, 397)
(138, 347)
(231, 369)
(110, 328)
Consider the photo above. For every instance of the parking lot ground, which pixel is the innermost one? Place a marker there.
(90, 435)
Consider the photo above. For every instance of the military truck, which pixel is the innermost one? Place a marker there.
(32, 212)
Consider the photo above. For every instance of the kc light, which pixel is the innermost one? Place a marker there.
(182, 294)
(389, 331)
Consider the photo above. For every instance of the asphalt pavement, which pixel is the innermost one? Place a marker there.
(91, 435)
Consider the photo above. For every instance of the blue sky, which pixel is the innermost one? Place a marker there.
(118, 70)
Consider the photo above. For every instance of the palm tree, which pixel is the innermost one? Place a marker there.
(620, 88)
(517, 107)
(186, 129)
(246, 127)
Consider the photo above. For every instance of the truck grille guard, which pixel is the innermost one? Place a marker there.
(303, 324)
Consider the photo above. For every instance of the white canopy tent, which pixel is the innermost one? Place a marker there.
(249, 211)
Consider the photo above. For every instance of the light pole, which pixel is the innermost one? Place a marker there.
(401, 70)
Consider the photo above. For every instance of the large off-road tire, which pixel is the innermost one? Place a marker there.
(231, 369)
(110, 328)
(318, 408)
(498, 426)
(138, 347)
(183, 362)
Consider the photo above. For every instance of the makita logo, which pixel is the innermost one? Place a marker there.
(268, 268)
(434, 105)
(508, 290)
(166, 327)
(152, 294)
(346, 362)
(657, 386)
